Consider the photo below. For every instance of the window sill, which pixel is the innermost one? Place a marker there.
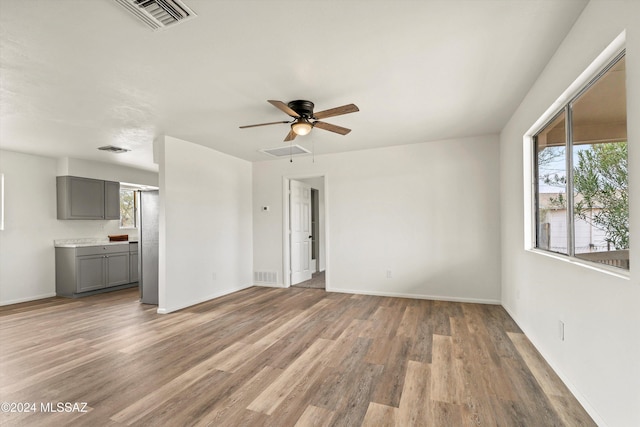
(611, 271)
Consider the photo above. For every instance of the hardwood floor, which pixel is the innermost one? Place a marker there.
(317, 281)
(276, 357)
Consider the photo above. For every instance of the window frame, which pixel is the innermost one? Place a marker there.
(564, 105)
(536, 171)
(135, 209)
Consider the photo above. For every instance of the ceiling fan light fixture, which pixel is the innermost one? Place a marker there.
(301, 127)
(301, 112)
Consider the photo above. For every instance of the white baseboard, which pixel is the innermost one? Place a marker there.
(572, 388)
(27, 299)
(417, 296)
(270, 285)
(201, 300)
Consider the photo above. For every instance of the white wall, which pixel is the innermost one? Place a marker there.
(205, 224)
(106, 171)
(427, 212)
(27, 255)
(599, 358)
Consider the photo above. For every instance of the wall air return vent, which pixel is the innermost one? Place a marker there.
(286, 151)
(265, 277)
(158, 14)
(113, 149)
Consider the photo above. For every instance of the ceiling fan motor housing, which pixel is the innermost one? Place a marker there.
(303, 108)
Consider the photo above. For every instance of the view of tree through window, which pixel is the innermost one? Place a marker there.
(127, 208)
(552, 172)
(593, 222)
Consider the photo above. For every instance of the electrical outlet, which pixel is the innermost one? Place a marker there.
(214, 276)
(561, 330)
(388, 274)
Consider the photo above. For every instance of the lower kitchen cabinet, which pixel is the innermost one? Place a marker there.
(91, 269)
(117, 269)
(90, 273)
(133, 262)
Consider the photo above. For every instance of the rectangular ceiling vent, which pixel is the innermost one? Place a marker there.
(158, 14)
(113, 149)
(286, 151)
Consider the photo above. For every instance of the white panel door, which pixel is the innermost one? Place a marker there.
(300, 223)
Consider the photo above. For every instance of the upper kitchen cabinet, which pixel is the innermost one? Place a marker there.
(111, 200)
(86, 198)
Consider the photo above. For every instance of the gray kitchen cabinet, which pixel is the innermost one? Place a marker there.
(111, 200)
(117, 267)
(133, 262)
(86, 198)
(91, 269)
(90, 273)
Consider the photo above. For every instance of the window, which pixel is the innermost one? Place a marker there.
(581, 194)
(128, 206)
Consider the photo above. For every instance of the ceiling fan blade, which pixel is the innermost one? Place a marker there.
(283, 107)
(263, 124)
(338, 111)
(291, 136)
(331, 128)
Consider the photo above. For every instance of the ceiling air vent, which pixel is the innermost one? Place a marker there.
(286, 151)
(158, 14)
(113, 149)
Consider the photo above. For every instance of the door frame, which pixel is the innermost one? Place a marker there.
(286, 241)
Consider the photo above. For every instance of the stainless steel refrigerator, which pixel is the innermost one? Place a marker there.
(149, 223)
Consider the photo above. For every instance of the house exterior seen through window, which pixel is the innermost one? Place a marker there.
(127, 208)
(581, 194)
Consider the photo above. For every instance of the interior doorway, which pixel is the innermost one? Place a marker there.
(295, 217)
(300, 231)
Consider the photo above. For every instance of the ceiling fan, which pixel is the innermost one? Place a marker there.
(304, 119)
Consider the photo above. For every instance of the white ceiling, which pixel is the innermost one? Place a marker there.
(79, 74)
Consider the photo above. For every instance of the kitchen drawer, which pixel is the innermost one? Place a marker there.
(102, 250)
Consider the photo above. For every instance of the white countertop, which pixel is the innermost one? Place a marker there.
(79, 243)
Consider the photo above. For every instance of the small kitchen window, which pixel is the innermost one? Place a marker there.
(128, 207)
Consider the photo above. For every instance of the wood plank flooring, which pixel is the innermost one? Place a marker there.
(276, 357)
(317, 281)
